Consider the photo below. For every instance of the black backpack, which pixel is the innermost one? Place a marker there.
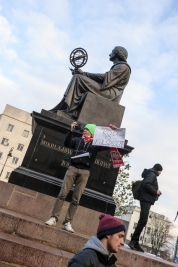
(136, 189)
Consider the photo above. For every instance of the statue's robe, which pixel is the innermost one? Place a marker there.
(109, 85)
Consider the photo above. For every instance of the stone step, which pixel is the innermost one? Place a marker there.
(23, 252)
(35, 230)
(39, 206)
(4, 265)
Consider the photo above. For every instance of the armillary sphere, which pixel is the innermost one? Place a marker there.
(78, 57)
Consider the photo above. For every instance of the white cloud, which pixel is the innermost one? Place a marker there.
(7, 38)
(9, 91)
(45, 41)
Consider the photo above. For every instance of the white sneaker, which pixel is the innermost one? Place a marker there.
(68, 227)
(51, 221)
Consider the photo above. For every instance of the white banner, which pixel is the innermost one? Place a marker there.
(105, 136)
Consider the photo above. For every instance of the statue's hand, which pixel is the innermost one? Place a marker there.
(76, 71)
(72, 70)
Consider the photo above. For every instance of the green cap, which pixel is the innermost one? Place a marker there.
(91, 128)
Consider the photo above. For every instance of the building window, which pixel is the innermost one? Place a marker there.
(20, 147)
(10, 127)
(15, 160)
(25, 133)
(7, 175)
(5, 142)
(1, 155)
(148, 230)
(149, 240)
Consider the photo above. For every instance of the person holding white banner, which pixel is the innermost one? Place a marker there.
(82, 160)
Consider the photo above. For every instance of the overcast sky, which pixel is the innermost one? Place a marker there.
(36, 38)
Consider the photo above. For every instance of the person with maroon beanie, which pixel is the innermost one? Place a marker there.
(98, 251)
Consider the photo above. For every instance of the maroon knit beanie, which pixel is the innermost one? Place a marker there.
(109, 225)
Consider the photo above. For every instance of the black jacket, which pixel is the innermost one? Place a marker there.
(149, 186)
(77, 143)
(92, 258)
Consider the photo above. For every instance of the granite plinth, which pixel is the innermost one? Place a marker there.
(51, 186)
(47, 160)
(101, 111)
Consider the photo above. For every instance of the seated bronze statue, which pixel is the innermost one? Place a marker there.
(109, 85)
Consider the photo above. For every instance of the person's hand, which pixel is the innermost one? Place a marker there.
(159, 192)
(113, 127)
(73, 125)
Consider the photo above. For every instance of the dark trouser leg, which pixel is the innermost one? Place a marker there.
(80, 184)
(68, 181)
(145, 207)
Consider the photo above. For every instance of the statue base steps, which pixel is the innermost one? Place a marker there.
(30, 253)
(26, 241)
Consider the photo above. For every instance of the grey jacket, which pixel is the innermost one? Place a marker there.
(94, 254)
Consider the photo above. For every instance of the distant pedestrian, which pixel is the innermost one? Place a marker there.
(98, 251)
(149, 193)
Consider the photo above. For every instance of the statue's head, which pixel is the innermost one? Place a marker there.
(119, 52)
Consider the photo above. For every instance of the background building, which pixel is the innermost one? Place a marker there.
(15, 135)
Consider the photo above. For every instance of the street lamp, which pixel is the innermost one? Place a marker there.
(8, 156)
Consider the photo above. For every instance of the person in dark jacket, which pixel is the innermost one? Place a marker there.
(98, 251)
(77, 173)
(149, 193)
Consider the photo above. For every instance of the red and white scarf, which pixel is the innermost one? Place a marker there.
(116, 157)
(87, 138)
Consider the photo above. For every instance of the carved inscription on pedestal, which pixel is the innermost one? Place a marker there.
(65, 150)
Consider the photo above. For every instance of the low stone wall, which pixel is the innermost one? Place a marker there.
(39, 206)
(23, 233)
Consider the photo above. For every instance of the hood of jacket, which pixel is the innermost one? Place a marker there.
(147, 171)
(96, 244)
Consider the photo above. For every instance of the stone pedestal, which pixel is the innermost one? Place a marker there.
(101, 111)
(47, 160)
